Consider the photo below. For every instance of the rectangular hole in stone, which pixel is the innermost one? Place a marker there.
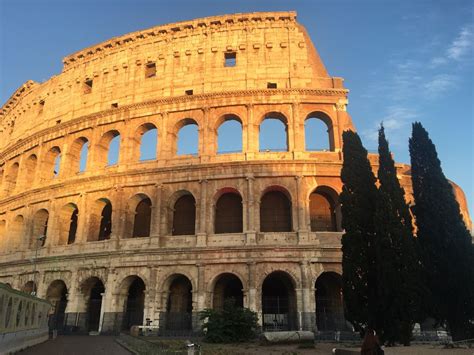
(271, 85)
(150, 70)
(88, 86)
(230, 59)
(189, 92)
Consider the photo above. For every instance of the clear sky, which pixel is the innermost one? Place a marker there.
(402, 60)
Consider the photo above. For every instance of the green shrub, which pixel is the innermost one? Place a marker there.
(230, 325)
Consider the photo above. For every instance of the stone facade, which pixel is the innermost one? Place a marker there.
(102, 275)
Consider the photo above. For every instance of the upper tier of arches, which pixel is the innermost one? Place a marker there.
(194, 137)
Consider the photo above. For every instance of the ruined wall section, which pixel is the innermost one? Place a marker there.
(269, 48)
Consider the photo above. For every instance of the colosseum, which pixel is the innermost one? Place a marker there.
(114, 238)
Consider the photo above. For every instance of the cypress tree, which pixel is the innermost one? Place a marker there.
(446, 246)
(358, 201)
(397, 264)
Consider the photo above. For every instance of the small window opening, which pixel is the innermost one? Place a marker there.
(271, 85)
(230, 59)
(40, 107)
(114, 105)
(150, 70)
(189, 92)
(58, 121)
(87, 86)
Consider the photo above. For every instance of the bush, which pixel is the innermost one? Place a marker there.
(230, 325)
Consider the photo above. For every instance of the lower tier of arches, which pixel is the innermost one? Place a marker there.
(293, 295)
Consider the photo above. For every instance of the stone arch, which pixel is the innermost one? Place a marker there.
(145, 142)
(29, 170)
(131, 297)
(317, 133)
(29, 287)
(92, 290)
(138, 221)
(16, 232)
(324, 209)
(224, 286)
(67, 224)
(104, 155)
(179, 303)
(278, 297)
(100, 220)
(228, 211)
(11, 178)
(273, 135)
(190, 147)
(78, 155)
(276, 210)
(51, 163)
(184, 213)
(226, 129)
(329, 302)
(56, 294)
(39, 231)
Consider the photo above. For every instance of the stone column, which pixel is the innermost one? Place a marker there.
(113, 302)
(156, 215)
(252, 133)
(201, 218)
(75, 314)
(81, 232)
(118, 214)
(199, 297)
(251, 238)
(308, 311)
(341, 117)
(303, 233)
(298, 129)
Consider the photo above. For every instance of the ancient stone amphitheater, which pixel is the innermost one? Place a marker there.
(114, 241)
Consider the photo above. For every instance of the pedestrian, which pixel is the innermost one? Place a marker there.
(371, 344)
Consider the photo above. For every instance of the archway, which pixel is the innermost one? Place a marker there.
(278, 302)
(29, 287)
(67, 228)
(135, 302)
(324, 210)
(100, 220)
(273, 135)
(319, 135)
(188, 137)
(275, 212)
(93, 290)
(142, 220)
(40, 228)
(184, 215)
(57, 295)
(180, 304)
(228, 217)
(329, 302)
(229, 135)
(228, 286)
(145, 142)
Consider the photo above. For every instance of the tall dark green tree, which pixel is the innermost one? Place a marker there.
(358, 203)
(396, 259)
(446, 246)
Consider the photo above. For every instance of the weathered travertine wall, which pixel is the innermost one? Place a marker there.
(127, 98)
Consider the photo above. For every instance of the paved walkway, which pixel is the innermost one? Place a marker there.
(78, 345)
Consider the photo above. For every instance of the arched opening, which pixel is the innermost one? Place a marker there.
(229, 135)
(228, 217)
(228, 286)
(93, 290)
(77, 155)
(142, 220)
(135, 303)
(180, 304)
(67, 226)
(30, 171)
(147, 137)
(29, 287)
(275, 212)
(100, 220)
(52, 163)
(278, 302)
(318, 132)
(108, 149)
(40, 229)
(57, 296)
(184, 215)
(15, 233)
(188, 137)
(274, 133)
(329, 302)
(324, 210)
(10, 179)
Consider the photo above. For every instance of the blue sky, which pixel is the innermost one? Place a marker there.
(402, 60)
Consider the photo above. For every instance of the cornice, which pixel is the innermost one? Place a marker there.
(16, 98)
(168, 100)
(170, 31)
